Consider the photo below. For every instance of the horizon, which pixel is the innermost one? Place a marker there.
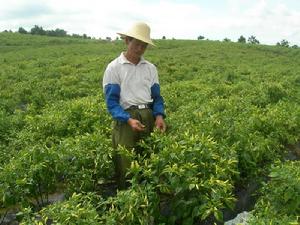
(155, 39)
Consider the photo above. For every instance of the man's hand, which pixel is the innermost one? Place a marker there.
(136, 125)
(160, 123)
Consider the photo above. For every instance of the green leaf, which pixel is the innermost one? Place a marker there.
(218, 215)
(273, 174)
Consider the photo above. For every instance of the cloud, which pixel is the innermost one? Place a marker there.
(25, 11)
(273, 22)
(269, 20)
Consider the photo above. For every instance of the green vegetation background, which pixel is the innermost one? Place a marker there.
(231, 109)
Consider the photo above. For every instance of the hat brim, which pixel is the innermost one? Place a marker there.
(148, 41)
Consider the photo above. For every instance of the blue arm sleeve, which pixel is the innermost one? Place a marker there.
(112, 98)
(158, 101)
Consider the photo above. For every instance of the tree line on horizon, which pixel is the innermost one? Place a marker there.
(38, 30)
(253, 40)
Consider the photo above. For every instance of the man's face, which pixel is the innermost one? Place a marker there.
(136, 47)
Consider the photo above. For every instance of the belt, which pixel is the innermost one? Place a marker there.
(141, 106)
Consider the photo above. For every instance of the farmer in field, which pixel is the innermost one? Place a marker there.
(132, 95)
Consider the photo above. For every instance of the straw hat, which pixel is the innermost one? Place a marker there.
(140, 31)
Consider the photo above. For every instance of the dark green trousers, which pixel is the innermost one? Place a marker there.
(123, 135)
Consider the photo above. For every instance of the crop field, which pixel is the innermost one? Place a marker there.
(233, 117)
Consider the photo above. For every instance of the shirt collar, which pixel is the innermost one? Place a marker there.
(123, 59)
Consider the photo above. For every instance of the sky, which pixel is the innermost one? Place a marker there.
(270, 21)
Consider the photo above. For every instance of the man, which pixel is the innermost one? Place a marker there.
(132, 95)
